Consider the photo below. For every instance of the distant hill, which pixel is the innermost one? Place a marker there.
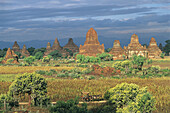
(108, 42)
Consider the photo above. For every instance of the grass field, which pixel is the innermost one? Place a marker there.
(7, 77)
(64, 89)
(28, 69)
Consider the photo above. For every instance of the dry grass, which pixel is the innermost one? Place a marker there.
(28, 69)
(64, 89)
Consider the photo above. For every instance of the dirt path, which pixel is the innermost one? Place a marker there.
(91, 102)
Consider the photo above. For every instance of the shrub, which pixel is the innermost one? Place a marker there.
(71, 106)
(75, 75)
(10, 101)
(41, 72)
(62, 75)
(39, 55)
(1, 60)
(91, 78)
(32, 84)
(162, 55)
(149, 61)
(129, 98)
(9, 61)
(74, 54)
(105, 56)
(86, 59)
(117, 65)
(139, 61)
(154, 69)
(55, 54)
(47, 58)
(29, 59)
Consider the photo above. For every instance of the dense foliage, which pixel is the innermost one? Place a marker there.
(29, 59)
(32, 84)
(70, 51)
(129, 98)
(105, 56)
(31, 50)
(99, 57)
(166, 49)
(86, 59)
(39, 55)
(18, 53)
(9, 101)
(138, 61)
(47, 58)
(3, 52)
(71, 106)
(39, 50)
(55, 54)
(9, 61)
(162, 55)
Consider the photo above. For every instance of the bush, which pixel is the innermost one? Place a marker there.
(32, 84)
(86, 59)
(29, 59)
(41, 72)
(138, 61)
(117, 65)
(47, 58)
(74, 54)
(55, 54)
(123, 66)
(1, 59)
(62, 75)
(105, 56)
(91, 78)
(71, 106)
(162, 55)
(10, 101)
(39, 55)
(9, 61)
(129, 98)
(154, 69)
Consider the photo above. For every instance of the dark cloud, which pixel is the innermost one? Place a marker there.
(39, 19)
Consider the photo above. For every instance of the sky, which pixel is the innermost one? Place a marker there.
(25, 20)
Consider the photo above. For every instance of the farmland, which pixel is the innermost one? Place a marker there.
(59, 88)
(64, 89)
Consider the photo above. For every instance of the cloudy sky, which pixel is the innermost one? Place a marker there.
(24, 20)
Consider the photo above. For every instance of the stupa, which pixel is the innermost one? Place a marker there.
(135, 48)
(71, 46)
(24, 51)
(117, 51)
(153, 49)
(91, 46)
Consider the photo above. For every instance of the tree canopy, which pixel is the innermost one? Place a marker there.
(32, 84)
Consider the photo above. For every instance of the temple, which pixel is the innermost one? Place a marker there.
(71, 46)
(24, 51)
(117, 51)
(135, 48)
(56, 46)
(10, 55)
(91, 46)
(16, 47)
(153, 49)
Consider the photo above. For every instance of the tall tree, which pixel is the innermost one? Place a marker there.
(166, 49)
(31, 50)
(161, 47)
